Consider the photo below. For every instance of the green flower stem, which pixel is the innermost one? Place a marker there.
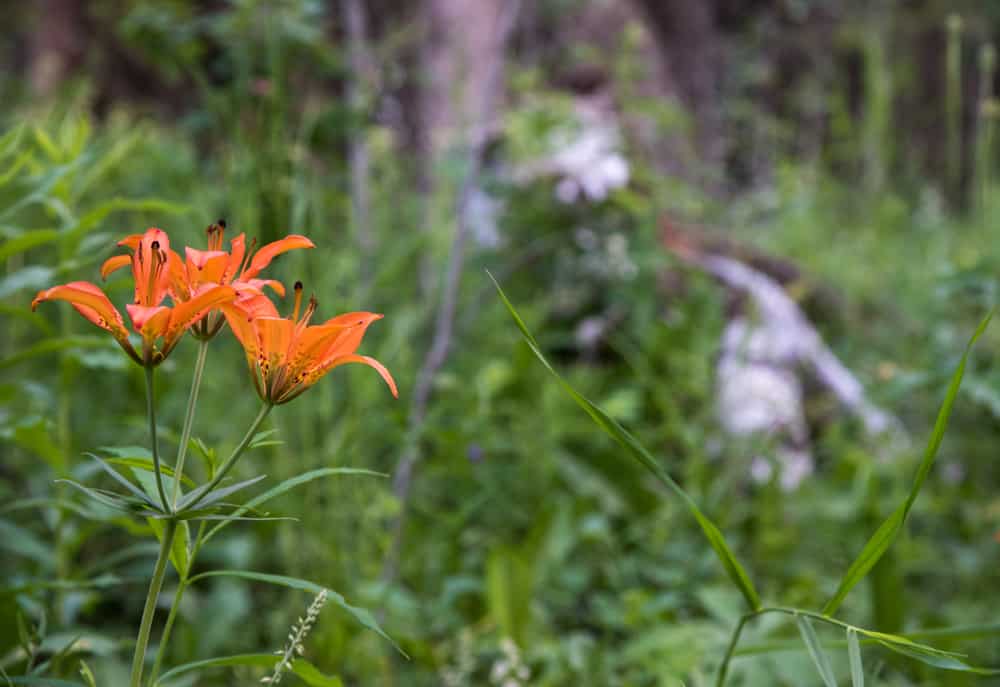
(151, 412)
(237, 452)
(142, 641)
(199, 368)
(175, 605)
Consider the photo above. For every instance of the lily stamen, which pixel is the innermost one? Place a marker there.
(298, 301)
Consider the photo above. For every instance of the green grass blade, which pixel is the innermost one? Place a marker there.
(301, 667)
(362, 615)
(733, 568)
(816, 653)
(854, 656)
(888, 530)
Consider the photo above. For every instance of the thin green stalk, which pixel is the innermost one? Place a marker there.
(199, 368)
(175, 605)
(733, 641)
(238, 451)
(151, 412)
(142, 641)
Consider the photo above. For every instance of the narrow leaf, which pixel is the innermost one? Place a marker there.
(287, 485)
(716, 540)
(886, 534)
(309, 673)
(134, 490)
(854, 655)
(360, 614)
(816, 653)
(199, 498)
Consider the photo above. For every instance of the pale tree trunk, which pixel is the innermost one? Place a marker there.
(57, 44)
(359, 94)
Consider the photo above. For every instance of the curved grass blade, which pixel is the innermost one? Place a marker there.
(886, 534)
(816, 653)
(733, 568)
(287, 485)
(362, 615)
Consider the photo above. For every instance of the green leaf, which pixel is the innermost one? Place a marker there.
(937, 659)
(287, 485)
(887, 532)
(22, 542)
(56, 345)
(134, 490)
(180, 549)
(360, 614)
(716, 540)
(311, 675)
(43, 681)
(11, 139)
(816, 653)
(106, 498)
(301, 667)
(854, 656)
(146, 464)
(26, 241)
(198, 497)
(87, 674)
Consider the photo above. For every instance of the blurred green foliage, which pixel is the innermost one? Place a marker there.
(524, 523)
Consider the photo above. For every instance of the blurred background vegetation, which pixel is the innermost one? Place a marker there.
(551, 142)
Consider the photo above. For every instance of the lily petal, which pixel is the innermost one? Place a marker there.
(115, 263)
(266, 254)
(185, 314)
(89, 301)
(315, 374)
(141, 316)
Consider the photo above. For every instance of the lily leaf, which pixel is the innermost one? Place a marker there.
(309, 673)
(287, 485)
(198, 497)
(360, 614)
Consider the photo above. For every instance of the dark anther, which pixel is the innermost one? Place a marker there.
(298, 286)
(222, 223)
(156, 245)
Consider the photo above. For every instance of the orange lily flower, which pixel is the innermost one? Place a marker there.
(239, 267)
(288, 355)
(160, 326)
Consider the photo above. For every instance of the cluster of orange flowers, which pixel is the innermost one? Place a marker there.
(209, 288)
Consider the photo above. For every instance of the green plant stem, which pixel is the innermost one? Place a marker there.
(175, 605)
(237, 452)
(149, 610)
(151, 412)
(733, 641)
(199, 368)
